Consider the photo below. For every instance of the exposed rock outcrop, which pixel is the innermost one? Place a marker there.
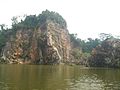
(47, 44)
(107, 54)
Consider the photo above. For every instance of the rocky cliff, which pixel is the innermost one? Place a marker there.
(107, 54)
(47, 44)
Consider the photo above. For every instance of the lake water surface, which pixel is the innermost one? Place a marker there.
(58, 77)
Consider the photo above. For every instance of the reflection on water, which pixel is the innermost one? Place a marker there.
(61, 77)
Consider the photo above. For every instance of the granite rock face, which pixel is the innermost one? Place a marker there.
(47, 44)
(107, 54)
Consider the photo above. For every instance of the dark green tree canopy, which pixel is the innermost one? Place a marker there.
(52, 16)
(32, 21)
(86, 46)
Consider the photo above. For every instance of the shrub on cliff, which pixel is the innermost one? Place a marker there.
(4, 35)
(32, 21)
(52, 16)
(85, 45)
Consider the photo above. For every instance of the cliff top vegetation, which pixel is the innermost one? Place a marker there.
(33, 21)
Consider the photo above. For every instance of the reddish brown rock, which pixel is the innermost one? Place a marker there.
(47, 44)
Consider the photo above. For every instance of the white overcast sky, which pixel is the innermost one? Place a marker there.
(87, 18)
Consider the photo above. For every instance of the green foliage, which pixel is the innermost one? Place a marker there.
(3, 27)
(107, 54)
(14, 20)
(76, 53)
(52, 16)
(2, 39)
(90, 44)
(87, 46)
(75, 41)
(32, 21)
(81, 49)
(104, 36)
(4, 35)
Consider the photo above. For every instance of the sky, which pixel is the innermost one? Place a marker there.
(87, 18)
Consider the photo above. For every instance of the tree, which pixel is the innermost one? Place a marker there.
(104, 36)
(32, 21)
(52, 16)
(14, 20)
(87, 46)
(2, 26)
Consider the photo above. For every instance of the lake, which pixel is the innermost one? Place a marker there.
(58, 77)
